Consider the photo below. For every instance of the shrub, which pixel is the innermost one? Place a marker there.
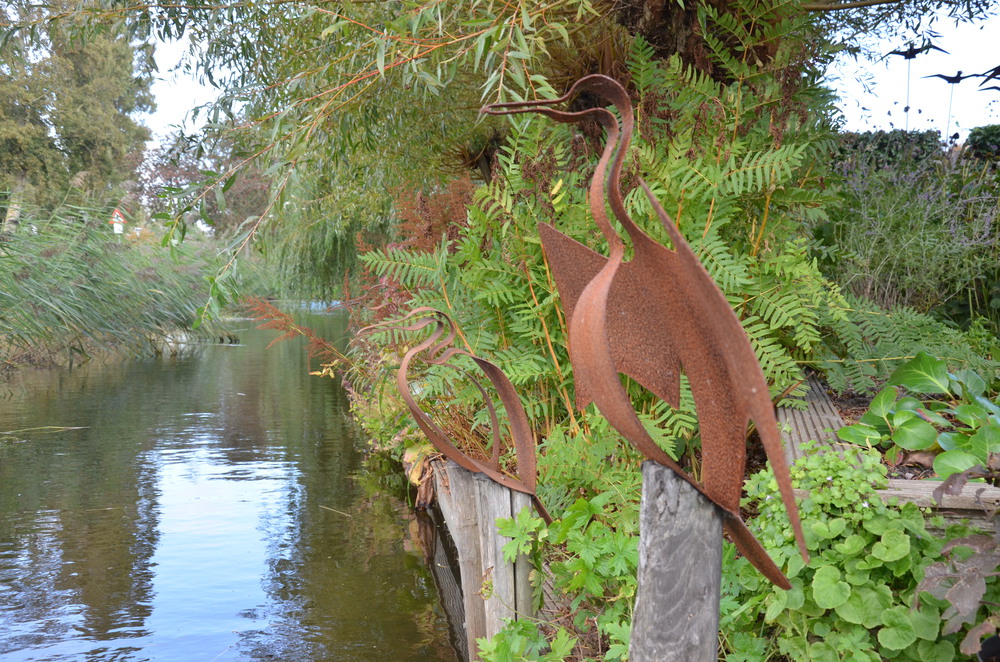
(858, 598)
(984, 142)
(912, 228)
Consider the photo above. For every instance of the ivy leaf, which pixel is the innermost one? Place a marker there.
(926, 623)
(829, 591)
(922, 374)
(915, 434)
(829, 529)
(954, 462)
(893, 546)
(775, 605)
(823, 652)
(852, 545)
(897, 632)
(936, 651)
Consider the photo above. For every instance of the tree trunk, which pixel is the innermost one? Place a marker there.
(14, 203)
(668, 27)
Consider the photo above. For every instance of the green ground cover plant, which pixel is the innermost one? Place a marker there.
(860, 597)
(956, 420)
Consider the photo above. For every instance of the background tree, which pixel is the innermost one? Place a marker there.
(67, 107)
(342, 103)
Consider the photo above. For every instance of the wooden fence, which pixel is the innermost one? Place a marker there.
(492, 589)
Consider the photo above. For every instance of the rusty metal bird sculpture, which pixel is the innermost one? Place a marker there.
(653, 315)
(437, 350)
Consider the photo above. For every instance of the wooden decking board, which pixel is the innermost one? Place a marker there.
(819, 421)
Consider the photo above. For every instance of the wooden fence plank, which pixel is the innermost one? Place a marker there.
(523, 603)
(819, 420)
(450, 589)
(493, 501)
(680, 570)
(454, 487)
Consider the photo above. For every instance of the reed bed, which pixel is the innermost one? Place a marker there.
(69, 287)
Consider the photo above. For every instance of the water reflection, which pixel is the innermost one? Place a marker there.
(211, 510)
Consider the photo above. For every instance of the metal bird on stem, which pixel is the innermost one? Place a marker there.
(653, 315)
(909, 54)
(951, 80)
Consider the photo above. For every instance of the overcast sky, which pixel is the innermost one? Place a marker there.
(971, 49)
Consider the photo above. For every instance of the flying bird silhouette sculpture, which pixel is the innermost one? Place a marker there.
(909, 54)
(953, 80)
(914, 51)
(437, 350)
(989, 75)
(653, 315)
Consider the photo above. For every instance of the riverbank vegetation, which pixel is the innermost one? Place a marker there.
(70, 287)
(846, 255)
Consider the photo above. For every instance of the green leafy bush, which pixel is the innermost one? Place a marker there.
(984, 142)
(960, 423)
(857, 599)
(912, 228)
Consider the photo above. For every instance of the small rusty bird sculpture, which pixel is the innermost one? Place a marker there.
(436, 349)
(653, 315)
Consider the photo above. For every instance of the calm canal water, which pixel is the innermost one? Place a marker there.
(214, 508)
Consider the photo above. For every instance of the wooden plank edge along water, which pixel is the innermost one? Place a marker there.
(492, 588)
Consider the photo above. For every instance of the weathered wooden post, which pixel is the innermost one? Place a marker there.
(676, 613)
(461, 516)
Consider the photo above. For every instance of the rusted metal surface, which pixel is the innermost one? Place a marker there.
(437, 350)
(652, 316)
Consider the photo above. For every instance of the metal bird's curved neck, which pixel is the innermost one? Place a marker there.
(605, 187)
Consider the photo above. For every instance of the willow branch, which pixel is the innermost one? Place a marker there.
(837, 6)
